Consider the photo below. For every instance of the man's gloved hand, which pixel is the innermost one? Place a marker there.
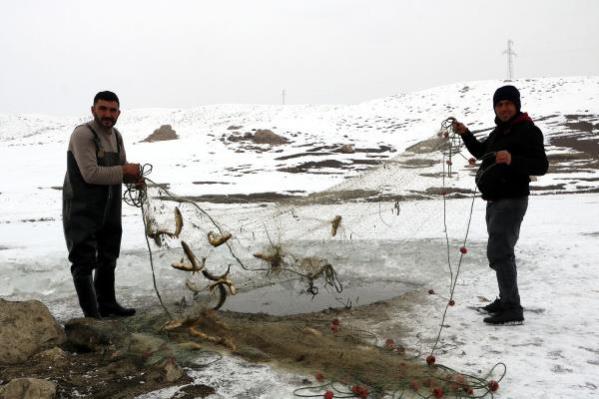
(131, 172)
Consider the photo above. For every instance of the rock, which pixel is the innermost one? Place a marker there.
(51, 356)
(163, 133)
(28, 388)
(166, 371)
(27, 328)
(91, 335)
(347, 149)
(265, 136)
(143, 345)
(172, 371)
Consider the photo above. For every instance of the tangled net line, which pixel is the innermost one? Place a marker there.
(136, 195)
(456, 384)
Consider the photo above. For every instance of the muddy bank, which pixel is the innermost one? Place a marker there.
(142, 354)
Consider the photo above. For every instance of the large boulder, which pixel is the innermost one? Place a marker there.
(92, 335)
(265, 136)
(26, 328)
(163, 133)
(28, 388)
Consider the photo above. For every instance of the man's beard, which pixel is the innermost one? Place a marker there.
(105, 122)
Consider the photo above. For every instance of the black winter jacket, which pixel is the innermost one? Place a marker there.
(524, 140)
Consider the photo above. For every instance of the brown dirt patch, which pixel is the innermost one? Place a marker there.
(261, 136)
(237, 198)
(311, 165)
(586, 145)
(91, 375)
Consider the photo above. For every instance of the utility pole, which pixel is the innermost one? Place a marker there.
(283, 96)
(510, 61)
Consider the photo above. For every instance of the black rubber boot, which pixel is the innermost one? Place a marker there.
(511, 316)
(493, 307)
(87, 295)
(104, 283)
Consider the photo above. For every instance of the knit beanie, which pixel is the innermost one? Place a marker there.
(509, 93)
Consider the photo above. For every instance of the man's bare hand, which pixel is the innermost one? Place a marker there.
(131, 172)
(459, 127)
(503, 157)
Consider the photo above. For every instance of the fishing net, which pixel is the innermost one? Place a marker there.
(247, 242)
(317, 241)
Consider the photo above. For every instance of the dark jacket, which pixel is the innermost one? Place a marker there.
(524, 141)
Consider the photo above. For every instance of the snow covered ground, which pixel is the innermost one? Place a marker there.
(554, 354)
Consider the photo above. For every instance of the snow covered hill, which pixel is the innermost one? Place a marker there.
(325, 143)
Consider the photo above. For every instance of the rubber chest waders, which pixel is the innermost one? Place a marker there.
(92, 212)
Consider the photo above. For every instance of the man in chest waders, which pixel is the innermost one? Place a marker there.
(91, 206)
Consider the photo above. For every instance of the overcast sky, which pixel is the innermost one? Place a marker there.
(55, 55)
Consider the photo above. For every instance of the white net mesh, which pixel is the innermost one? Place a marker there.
(313, 240)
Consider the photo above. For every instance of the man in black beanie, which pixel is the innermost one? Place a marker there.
(511, 153)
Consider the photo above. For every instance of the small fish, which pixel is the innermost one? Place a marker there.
(335, 225)
(262, 256)
(225, 282)
(183, 266)
(172, 325)
(178, 222)
(194, 261)
(217, 239)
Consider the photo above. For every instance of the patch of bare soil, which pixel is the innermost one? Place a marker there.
(551, 187)
(449, 191)
(366, 161)
(310, 166)
(90, 375)
(587, 145)
(580, 136)
(380, 150)
(210, 182)
(331, 342)
(260, 136)
(237, 198)
(301, 154)
(566, 157)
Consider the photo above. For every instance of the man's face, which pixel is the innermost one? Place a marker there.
(106, 113)
(505, 110)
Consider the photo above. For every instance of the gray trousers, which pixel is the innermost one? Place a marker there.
(503, 218)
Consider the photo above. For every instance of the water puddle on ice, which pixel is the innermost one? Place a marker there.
(291, 298)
